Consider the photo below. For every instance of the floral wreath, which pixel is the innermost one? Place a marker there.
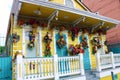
(96, 42)
(61, 42)
(47, 38)
(31, 39)
(15, 37)
(74, 32)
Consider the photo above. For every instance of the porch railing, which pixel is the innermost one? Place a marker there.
(46, 68)
(106, 61)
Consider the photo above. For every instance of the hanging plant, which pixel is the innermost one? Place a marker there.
(74, 32)
(48, 38)
(48, 51)
(43, 24)
(15, 37)
(20, 22)
(31, 39)
(96, 42)
(61, 42)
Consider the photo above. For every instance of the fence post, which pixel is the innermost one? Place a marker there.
(112, 59)
(98, 62)
(19, 62)
(56, 76)
(81, 64)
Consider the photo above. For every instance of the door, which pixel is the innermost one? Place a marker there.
(61, 51)
(30, 51)
(5, 68)
(86, 55)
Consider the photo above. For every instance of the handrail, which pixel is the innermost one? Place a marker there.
(46, 68)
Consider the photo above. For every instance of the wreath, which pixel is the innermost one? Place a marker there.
(84, 42)
(74, 32)
(61, 42)
(15, 37)
(31, 39)
(96, 42)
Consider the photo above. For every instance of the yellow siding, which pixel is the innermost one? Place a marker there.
(78, 6)
(118, 76)
(106, 78)
(72, 42)
(58, 1)
(17, 46)
(93, 58)
(43, 44)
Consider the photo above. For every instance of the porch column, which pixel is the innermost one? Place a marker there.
(81, 64)
(56, 76)
(112, 59)
(19, 62)
(98, 62)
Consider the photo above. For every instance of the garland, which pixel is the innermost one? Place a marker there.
(47, 40)
(61, 42)
(31, 40)
(96, 44)
(15, 38)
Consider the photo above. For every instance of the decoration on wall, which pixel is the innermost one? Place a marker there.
(15, 37)
(61, 42)
(96, 42)
(74, 33)
(74, 50)
(31, 39)
(48, 51)
(84, 42)
(47, 40)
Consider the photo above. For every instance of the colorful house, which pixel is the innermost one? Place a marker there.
(60, 40)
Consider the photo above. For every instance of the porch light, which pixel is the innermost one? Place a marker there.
(38, 12)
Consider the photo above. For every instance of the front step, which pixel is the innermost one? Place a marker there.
(75, 77)
(90, 75)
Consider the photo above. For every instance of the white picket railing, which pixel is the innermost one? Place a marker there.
(48, 68)
(106, 61)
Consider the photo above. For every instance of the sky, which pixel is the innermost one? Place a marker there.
(5, 8)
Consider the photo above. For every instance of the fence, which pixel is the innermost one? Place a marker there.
(106, 61)
(47, 68)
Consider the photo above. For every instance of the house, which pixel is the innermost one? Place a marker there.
(59, 39)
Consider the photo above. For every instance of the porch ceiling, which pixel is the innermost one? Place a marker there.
(28, 9)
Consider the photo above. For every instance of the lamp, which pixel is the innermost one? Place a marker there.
(38, 12)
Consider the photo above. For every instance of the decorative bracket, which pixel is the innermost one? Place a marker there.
(79, 20)
(53, 15)
(97, 25)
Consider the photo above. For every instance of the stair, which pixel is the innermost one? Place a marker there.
(90, 75)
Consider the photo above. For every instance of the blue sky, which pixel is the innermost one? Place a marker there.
(5, 8)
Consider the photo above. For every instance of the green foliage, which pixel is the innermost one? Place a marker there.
(2, 49)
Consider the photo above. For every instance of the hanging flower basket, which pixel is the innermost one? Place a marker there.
(20, 22)
(74, 32)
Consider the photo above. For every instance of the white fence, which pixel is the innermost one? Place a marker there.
(48, 68)
(106, 61)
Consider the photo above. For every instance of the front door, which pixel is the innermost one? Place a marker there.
(30, 51)
(86, 56)
(63, 50)
(5, 68)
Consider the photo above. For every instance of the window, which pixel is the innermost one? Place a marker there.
(69, 3)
